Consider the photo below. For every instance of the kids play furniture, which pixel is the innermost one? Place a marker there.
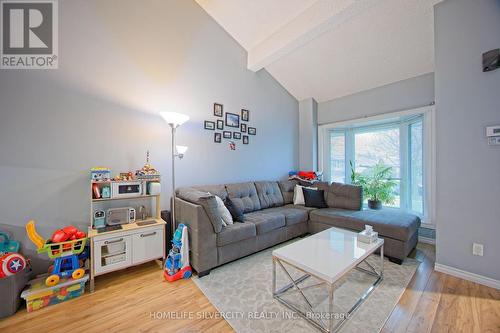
(135, 243)
(315, 256)
(271, 218)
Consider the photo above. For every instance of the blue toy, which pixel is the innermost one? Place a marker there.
(100, 174)
(99, 219)
(67, 265)
(106, 192)
(7, 245)
(177, 264)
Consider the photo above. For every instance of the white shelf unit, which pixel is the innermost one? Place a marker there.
(132, 245)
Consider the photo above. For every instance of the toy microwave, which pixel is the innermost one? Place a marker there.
(115, 216)
(126, 189)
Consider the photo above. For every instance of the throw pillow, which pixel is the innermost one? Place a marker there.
(235, 210)
(314, 198)
(298, 195)
(207, 201)
(224, 213)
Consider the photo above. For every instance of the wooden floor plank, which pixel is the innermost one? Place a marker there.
(452, 314)
(425, 311)
(487, 303)
(402, 313)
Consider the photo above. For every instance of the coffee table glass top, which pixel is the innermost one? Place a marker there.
(328, 254)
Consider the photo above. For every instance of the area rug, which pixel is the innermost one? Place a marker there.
(241, 292)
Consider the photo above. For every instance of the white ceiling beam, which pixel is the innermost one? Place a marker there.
(321, 17)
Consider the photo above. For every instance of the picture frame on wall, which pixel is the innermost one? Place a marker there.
(245, 115)
(217, 137)
(232, 120)
(236, 135)
(220, 124)
(209, 125)
(252, 131)
(243, 128)
(218, 110)
(245, 139)
(227, 135)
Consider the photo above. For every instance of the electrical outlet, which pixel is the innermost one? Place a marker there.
(477, 249)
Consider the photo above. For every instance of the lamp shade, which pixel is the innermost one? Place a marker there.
(181, 149)
(174, 118)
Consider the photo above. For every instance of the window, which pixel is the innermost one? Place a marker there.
(337, 164)
(416, 167)
(373, 145)
(396, 142)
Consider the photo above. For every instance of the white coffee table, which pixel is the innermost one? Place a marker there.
(327, 256)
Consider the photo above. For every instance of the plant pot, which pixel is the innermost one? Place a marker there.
(374, 204)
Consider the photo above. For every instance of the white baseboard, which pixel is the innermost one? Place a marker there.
(426, 240)
(486, 281)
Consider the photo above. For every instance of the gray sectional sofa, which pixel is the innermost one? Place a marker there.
(271, 218)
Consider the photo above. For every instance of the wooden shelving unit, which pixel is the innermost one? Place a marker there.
(131, 245)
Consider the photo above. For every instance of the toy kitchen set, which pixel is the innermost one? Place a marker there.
(126, 226)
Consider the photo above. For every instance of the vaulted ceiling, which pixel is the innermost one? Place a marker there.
(326, 49)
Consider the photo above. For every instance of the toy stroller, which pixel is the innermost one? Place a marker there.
(65, 254)
(177, 264)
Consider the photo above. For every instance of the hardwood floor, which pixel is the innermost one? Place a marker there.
(437, 302)
(137, 300)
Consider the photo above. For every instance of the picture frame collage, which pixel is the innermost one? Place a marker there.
(232, 126)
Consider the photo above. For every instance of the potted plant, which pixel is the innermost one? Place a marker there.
(377, 182)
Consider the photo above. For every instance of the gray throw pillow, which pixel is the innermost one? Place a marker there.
(207, 201)
(223, 212)
(235, 210)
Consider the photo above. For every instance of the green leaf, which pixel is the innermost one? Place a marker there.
(377, 182)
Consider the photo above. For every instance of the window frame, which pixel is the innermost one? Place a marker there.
(404, 119)
(409, 195)
(344, 135)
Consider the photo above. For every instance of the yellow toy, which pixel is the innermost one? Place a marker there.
(33, 235)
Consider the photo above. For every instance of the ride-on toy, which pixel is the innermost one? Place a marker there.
(177, 264)
(64, 253)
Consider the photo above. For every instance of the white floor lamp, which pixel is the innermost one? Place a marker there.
(174, 120)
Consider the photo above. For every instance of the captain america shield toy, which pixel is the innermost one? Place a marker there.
(11, 263)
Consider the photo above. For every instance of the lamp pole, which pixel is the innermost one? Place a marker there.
(174, 127)
(174, 120)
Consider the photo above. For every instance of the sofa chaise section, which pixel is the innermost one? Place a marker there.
(399, 229)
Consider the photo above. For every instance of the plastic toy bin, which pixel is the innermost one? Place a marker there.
(10, 288)
(38, 295)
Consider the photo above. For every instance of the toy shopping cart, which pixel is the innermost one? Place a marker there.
(65, 255)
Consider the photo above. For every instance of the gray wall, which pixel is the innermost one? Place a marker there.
(407, 94)
(308, 134)
(120, 63)
(467, 100)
